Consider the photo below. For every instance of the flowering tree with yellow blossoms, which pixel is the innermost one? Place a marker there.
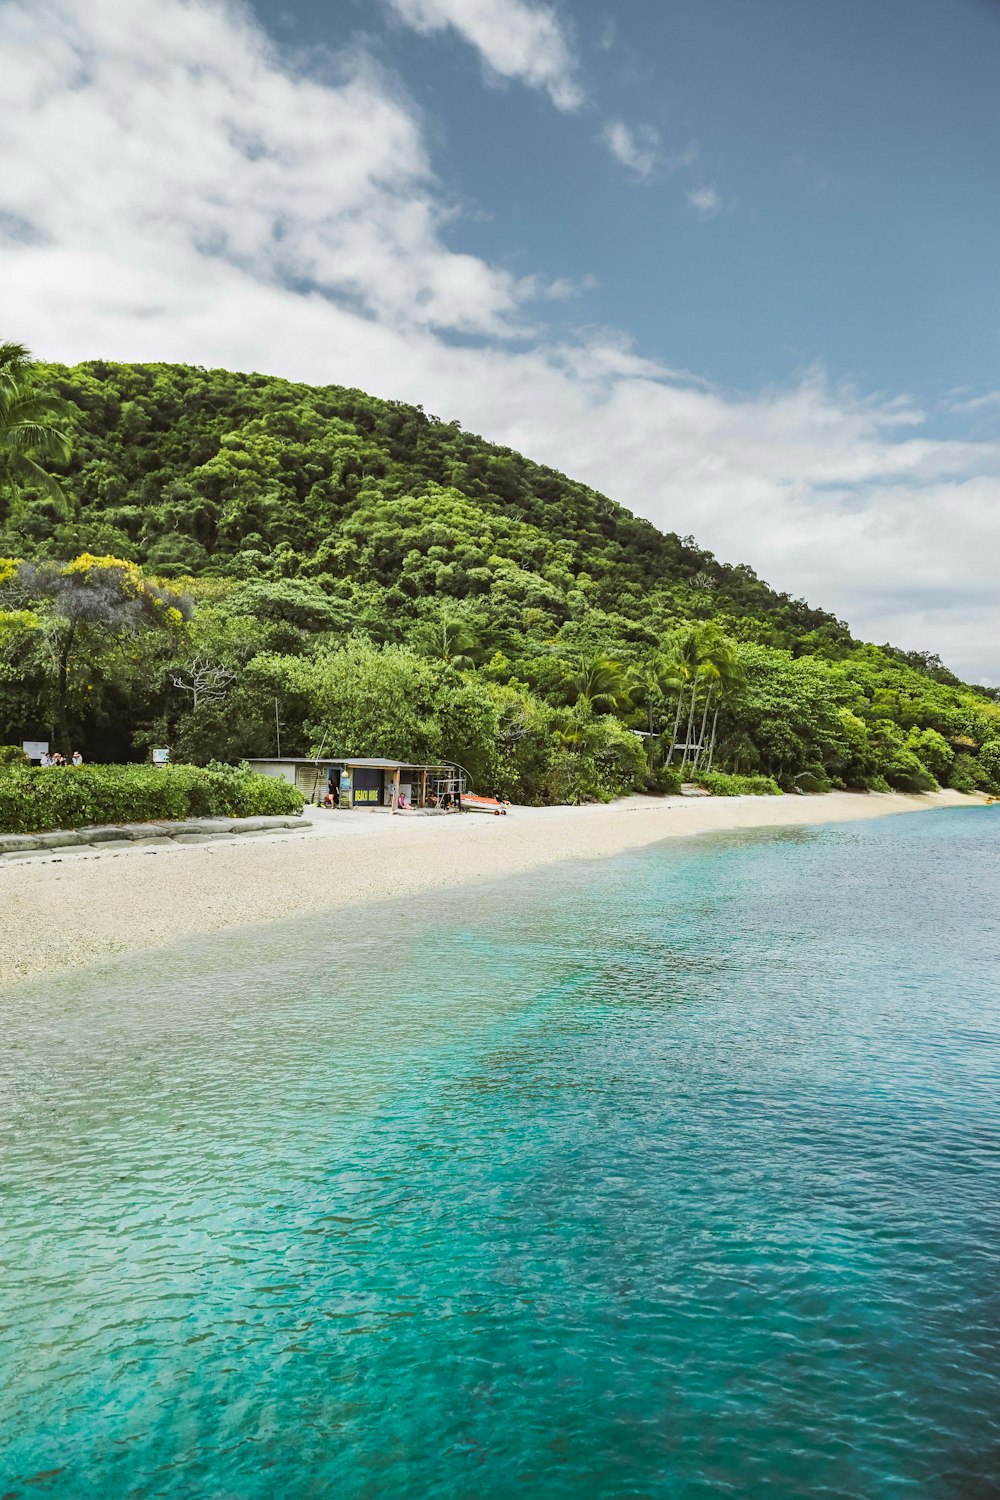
(81, 608)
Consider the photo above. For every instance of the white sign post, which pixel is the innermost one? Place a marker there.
(161, 757)
(35, 749)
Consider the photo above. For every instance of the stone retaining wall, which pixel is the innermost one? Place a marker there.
(188, 831)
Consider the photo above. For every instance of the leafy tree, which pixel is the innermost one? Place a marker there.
(932, 749)
(989, 766)
(965, 773)
(82, 607)
(369, 700)
(31, 434)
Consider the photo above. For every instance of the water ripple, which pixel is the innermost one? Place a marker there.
(675, 1176)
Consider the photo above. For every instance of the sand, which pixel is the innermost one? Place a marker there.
(66, 911)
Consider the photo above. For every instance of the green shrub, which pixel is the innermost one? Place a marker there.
(721, 784)
(619, 757)
(13, 755)
(932, 749)
(989, 766)
(35, 801)
(666, 779)
(965, 774)
(906, 772)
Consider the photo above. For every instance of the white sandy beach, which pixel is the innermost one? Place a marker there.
(68, 909)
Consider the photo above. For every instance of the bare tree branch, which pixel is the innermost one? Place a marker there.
(206, 681)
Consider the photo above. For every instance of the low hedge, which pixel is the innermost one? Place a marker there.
(37, 800)
(721, 784)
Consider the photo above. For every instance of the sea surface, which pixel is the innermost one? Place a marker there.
(674, 1175)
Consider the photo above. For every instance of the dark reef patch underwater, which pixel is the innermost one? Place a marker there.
(675, 1175)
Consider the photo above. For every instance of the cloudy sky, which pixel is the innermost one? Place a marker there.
(734, 263)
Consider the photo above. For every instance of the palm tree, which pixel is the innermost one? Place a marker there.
(728, 675)
(450, 641)
(28, 434)
(599, 681)
(658, 679)
(701, 659)
(682, 652)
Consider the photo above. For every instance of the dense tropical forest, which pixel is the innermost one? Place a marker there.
(223, 561)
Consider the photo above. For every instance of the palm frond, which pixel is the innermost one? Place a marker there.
(30, 422)
(33, 437)
(17, 470)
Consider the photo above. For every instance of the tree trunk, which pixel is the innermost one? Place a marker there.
(677, 720)
(701, 735)
(711, 743)
(62, 692)
(690, 724)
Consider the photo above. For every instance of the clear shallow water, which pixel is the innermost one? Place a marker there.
(671, 1176)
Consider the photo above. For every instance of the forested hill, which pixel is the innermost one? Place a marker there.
(365, 574)
(193, 471)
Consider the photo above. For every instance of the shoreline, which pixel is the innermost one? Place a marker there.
(66, 910)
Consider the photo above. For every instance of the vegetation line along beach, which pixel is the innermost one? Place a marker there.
(230, 566)
(82, 909)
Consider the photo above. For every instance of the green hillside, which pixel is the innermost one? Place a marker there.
(369, 575)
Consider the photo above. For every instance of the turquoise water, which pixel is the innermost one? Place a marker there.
(676, 1175)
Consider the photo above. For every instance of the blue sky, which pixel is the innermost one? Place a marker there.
(853, 145)
(733, 263)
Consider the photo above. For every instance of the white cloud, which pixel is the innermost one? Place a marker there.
(636, 148)
(514, 39)
(989, 401)
(172, 193)
(705, 201)
(151, 133)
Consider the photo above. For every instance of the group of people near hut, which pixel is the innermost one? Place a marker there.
(449, 802)
(76, 759)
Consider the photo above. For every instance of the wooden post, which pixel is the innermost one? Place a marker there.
(395, 790)
(423, 787)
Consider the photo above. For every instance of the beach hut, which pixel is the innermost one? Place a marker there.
(362, 781)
